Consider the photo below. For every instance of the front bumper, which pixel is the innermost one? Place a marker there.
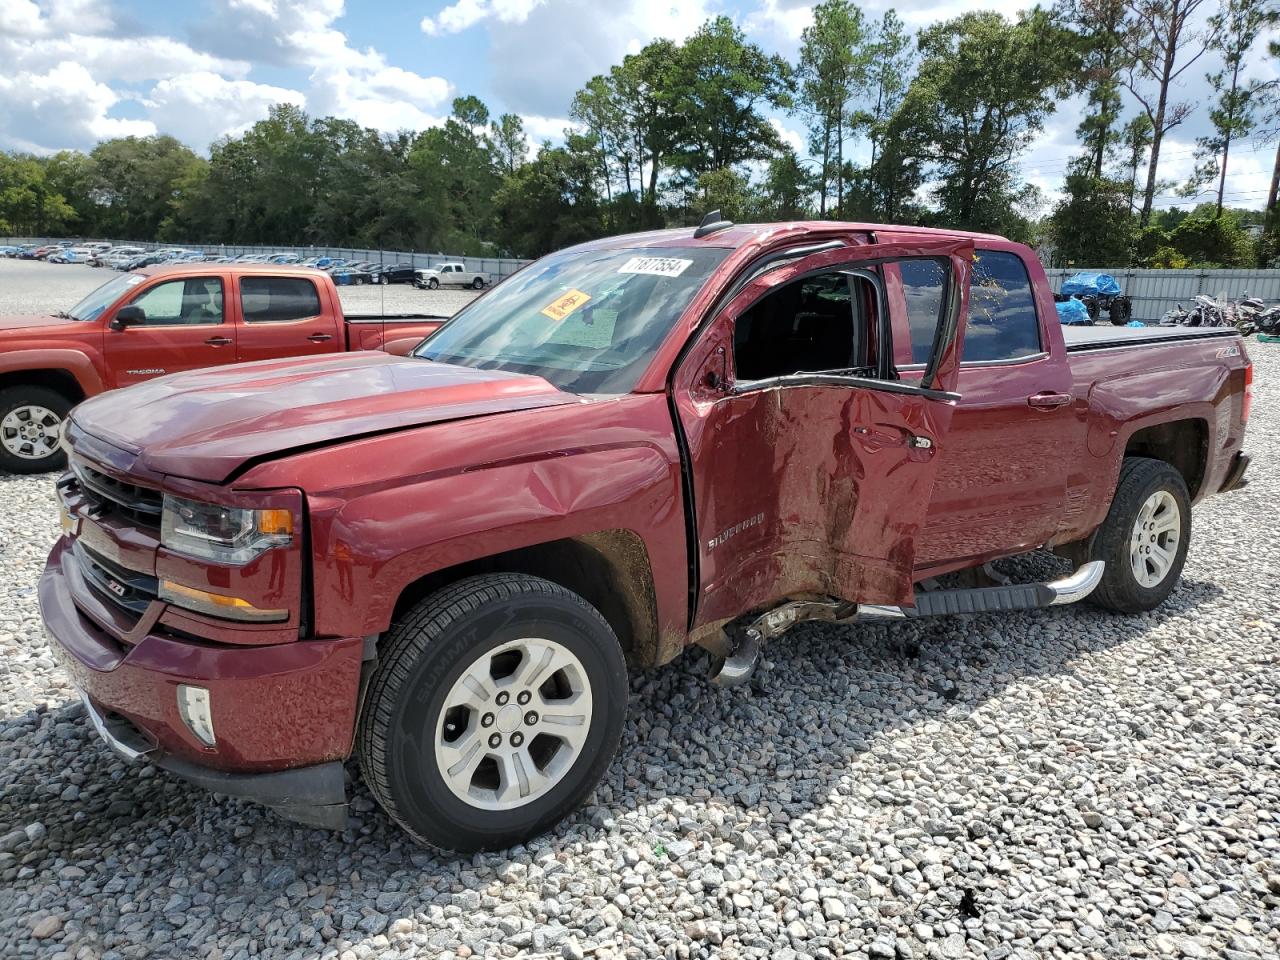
(283, 715)
(1235, 475)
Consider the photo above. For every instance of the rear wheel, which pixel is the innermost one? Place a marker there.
(496, 707)
(477, 283)
(31, 419)
(1144, 538)
(1121, 311)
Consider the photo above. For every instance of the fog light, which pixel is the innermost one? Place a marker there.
(193, 707)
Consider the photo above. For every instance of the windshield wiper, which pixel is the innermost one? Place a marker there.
(63, 315)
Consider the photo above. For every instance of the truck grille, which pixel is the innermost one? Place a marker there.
(142, 505)
(127, 589)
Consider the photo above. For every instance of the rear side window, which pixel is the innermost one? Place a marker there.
(278, 299)
(1002, 322)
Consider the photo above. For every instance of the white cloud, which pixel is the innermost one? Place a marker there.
(780, 19)
(61, 108)
(537, 65)
(358, 84)
(467, 13)
(791, 138)
(200, 106)
(545, 128)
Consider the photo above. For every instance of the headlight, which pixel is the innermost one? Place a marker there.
(223, 534)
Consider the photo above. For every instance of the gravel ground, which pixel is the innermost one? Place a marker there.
(1065, 783)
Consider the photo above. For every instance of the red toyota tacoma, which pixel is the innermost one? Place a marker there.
(162, 320)
(446, 564)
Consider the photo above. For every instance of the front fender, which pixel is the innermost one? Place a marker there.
(75, 362)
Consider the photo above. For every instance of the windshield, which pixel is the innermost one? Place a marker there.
(91, 306)
(586, 321)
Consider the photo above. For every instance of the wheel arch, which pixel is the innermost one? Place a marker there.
(1183, 444)
(60, 380)
(609, 569)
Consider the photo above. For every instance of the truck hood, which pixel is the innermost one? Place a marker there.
(207, 424)
(31, 320)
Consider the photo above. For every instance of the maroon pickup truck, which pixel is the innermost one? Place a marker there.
(161, 320)
(447, 563)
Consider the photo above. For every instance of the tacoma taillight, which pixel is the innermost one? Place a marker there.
(1248, 392)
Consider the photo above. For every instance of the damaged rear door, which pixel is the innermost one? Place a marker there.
(811, 460)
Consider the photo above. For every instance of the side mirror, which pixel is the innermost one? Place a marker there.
(128, 316)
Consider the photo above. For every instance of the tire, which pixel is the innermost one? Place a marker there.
(383, 279)
(477, 283)
(1142, 481)
(1091, 305)
(413, 705)
(1121, 311)
(19, 411)
(433, 284)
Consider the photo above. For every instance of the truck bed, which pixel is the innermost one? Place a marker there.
(1081, 338)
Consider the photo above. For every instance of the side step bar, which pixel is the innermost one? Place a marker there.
(738, 667)
(1015, 596)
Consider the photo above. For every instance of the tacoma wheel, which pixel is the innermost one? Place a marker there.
(30, 428)
(1144, 538)
(495, 708)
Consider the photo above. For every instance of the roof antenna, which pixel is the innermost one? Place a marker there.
(713, 222)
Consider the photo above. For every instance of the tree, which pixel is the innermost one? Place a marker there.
(550, 202)
(1092, 224)
(982, 91)
(1161, 43)
(787, 189)
(508, 142)
(719, 88)
(1233, 28)
(137, 183)
(28, 203)
(1101, 27)
(833, 70)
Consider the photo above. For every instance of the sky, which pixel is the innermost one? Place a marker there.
(73, 72)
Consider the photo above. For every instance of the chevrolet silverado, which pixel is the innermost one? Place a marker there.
(447, 563)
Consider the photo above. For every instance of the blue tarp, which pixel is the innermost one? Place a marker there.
(1072, 311)
(1091, 284)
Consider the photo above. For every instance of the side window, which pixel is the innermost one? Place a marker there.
(192, 301)
(814, 324)
(1002, 322)
(923, 285)
(278, 299)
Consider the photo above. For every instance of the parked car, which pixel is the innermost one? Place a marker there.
(71, 255)
(448, 562)
(109, 258)
(451, 274)
(392, 272)
(164, 319)
(8, 251)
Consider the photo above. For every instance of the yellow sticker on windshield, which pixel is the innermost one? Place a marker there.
(565, 304)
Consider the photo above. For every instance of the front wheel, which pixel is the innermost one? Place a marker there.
(1144, 538)
(433, 284)
(495, 708)
(31, 421)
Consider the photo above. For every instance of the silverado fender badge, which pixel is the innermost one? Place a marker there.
(730, 532)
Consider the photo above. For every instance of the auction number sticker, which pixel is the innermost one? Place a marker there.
(565, 304)
(656, 266)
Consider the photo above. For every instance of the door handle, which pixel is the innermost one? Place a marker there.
(320, 337)
(218, 341)
(1046, 400)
